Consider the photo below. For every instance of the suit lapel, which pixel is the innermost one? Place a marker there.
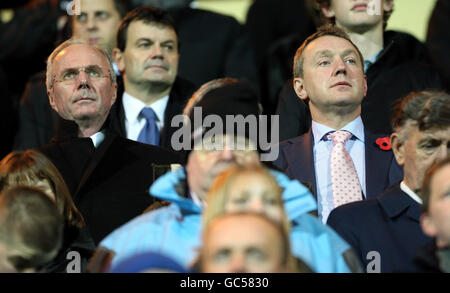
(301, 156)
(96, 158)
(395, 202)
(378, 163)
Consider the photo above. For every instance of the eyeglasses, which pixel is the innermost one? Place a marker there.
(71, 75)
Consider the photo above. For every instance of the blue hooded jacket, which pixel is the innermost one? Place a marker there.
(175, 230)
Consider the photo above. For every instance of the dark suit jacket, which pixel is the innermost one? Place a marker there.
(109, 184)
(179, 95)
(389, 225)
(296, 159)
(39, 123)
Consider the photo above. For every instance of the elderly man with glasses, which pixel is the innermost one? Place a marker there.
(107, 174)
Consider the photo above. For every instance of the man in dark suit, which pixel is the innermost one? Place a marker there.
(328, 73)
(395, 63)
(147, 56)
(108, 175)
(97, 23)
(388, 228)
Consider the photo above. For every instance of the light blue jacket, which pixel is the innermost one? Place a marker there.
(175, 230)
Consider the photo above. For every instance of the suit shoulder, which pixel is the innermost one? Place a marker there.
(354, 211)
(292, 141)
(147, 151)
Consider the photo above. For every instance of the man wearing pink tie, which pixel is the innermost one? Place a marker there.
(341, 160)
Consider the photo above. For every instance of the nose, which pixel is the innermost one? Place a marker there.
(443, 152)
(226, 154)
(257, 206)
(83, 79)
(237, 264)
(157, 51)
(340, 67)
(91, 23)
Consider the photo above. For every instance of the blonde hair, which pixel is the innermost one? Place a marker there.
(219, 193)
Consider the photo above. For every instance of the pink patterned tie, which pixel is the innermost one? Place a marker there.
(346, 187)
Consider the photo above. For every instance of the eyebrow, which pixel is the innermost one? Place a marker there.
(92, 66)
(328, 53)
(151, 40)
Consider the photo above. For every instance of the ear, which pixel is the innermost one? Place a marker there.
(51, 99)
(327, 11)
(118, 59)
(398, 147)
(427, 225)
(299, 88)
(388, 5)
(114, 97)
(365, 85)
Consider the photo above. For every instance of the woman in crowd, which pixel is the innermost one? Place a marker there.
(249, 189)
(31, 168)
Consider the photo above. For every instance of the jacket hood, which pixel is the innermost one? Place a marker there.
(297, 198)
(167, 188)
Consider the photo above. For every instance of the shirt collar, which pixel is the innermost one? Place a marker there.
(116, 69)
(410, 193)
(133, 107)
(98, 138)
(368, 62)
(356, 127)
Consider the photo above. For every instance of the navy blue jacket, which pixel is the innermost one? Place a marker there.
(296, 159)
(389, 225)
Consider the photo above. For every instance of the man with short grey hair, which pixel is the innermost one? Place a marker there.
(107, 175)
(390, 224)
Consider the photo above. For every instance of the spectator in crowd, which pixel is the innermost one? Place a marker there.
(275, 30)
(395, 64)
(107, 174)
(149, 262)
(213, 45)
(438, 40)
(147, 56)
(186, 189)
(30, 230)
(390, 224)
(435, 221)
(27, 36)
(339, 156)
(255, 189)
(31, 168)
(235, 242)
(97, 24)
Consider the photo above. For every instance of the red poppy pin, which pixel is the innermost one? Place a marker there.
(384, 143)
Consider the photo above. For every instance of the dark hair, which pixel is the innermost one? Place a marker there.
(21, 167)
(147, 14)
(30, 224)
(332, 20)
(123, 7)
(325, 30)
(426, 186)
(427, 108)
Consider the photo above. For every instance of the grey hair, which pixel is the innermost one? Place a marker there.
(68, 43)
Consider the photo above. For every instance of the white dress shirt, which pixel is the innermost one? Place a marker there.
(134, 123)
(98, 138)
(322, 153)
(411, 193)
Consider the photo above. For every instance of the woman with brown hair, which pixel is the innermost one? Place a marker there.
(31, 168)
